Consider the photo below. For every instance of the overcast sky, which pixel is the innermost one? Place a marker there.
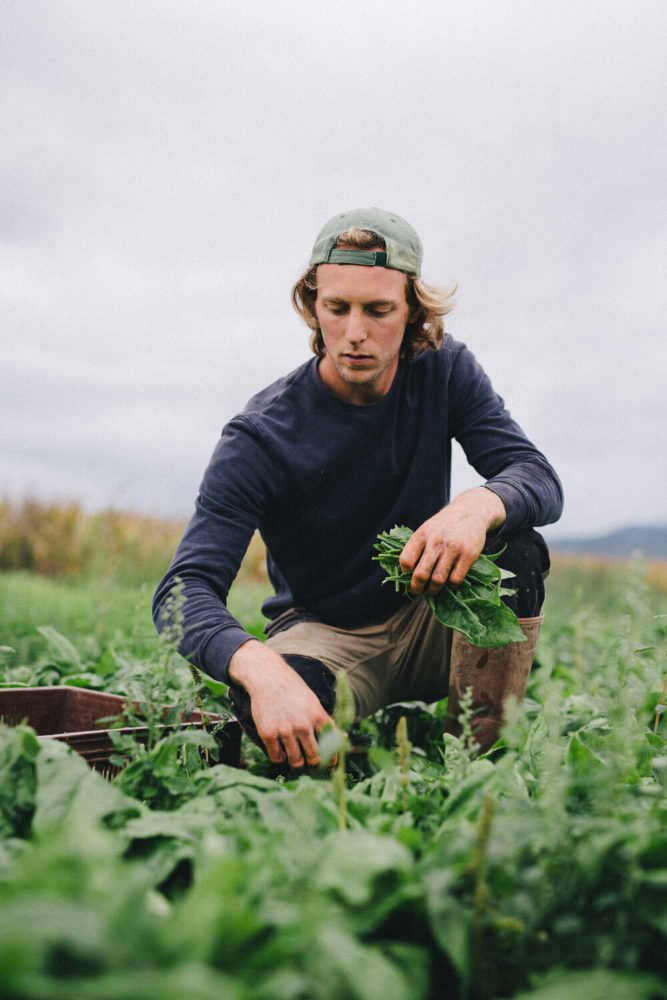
(167, 165)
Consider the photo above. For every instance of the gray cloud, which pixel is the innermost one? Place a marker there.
(168, 165)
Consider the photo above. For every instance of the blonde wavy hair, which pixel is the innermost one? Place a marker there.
(425, 329)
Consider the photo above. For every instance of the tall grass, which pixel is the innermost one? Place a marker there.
(62, 540)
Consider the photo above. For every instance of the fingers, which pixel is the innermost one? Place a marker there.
(460, 568)
(436, 561)
(301, 750)
(287, 713)
(430, 562)
(298, 747)
(412, 551)
(433, 572)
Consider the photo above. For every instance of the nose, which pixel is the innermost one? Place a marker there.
(355, 330)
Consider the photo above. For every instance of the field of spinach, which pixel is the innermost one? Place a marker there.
(420, 871)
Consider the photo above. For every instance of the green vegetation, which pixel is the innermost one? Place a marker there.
(537, 872)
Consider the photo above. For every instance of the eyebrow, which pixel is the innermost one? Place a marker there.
(344, 302)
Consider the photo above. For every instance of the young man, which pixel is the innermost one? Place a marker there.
(354, 441)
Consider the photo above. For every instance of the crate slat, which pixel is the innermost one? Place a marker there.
(71, 715)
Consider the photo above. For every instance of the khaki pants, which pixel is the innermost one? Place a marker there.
(405, 658)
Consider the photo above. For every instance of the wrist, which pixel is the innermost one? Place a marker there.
(483, 504)
(240, 662)
(250, 663)
(495, 509)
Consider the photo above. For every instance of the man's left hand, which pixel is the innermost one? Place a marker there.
(444, 548)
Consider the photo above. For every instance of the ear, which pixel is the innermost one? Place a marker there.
(411, 299)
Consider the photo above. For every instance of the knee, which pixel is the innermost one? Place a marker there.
(317, 676)
(525, 554)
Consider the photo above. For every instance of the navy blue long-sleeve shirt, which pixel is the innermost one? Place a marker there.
(321, 478)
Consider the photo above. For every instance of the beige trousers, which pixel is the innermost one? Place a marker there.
(405, 658)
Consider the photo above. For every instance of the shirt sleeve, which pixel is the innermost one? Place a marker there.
(497, 448)
(192, 596)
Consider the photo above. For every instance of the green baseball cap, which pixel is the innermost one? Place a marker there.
(403, 247)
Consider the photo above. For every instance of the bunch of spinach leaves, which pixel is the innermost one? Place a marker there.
(474, 608)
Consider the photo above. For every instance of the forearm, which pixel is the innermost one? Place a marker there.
(190, 600)
(531, 493)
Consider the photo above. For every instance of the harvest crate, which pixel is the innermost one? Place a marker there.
(71, 715)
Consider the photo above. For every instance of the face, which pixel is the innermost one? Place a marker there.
(362, 313)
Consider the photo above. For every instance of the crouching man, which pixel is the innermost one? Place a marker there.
(354, 441)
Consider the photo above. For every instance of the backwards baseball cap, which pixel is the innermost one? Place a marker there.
(403, 247)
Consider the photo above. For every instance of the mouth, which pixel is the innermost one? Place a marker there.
(357, 359)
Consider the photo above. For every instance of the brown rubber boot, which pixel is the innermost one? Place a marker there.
(493, 674)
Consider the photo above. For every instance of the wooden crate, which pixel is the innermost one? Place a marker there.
(72, 715)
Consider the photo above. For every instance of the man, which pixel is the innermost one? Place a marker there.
(354, 441)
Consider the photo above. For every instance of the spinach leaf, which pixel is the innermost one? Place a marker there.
(18, 751)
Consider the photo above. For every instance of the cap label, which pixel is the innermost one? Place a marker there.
(367, 258)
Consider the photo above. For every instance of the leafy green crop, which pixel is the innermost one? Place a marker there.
(475, 608)
(536, 872)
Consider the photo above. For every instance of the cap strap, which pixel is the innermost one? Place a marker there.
(367, 258)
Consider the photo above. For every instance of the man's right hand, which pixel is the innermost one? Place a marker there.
(287, 713)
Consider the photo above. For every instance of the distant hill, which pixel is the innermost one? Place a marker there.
(650, 540)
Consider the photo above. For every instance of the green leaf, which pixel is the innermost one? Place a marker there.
(354, 862)
(596, 984)
(69, 790)
(330, 742)
(63, 652)
(19, 749)
(450, 919)
(585, 763)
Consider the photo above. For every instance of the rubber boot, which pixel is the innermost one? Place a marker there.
(494, 675)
